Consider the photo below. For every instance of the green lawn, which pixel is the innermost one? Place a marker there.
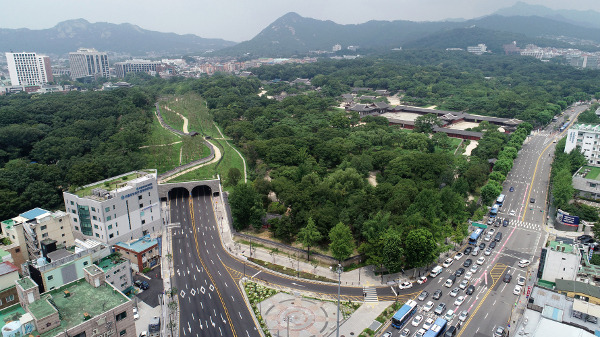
(108, 185)
(594, 172)
(163, 158)
(170, 117)
(160, 135)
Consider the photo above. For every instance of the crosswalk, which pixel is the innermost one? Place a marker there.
(526, 225)
(370, 294)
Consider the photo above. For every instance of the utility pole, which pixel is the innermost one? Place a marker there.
(339, 272)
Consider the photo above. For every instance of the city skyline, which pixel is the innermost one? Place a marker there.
(238, 22)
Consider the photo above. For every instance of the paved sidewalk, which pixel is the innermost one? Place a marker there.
(363, 318)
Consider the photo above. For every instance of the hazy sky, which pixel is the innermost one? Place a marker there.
(239, 20)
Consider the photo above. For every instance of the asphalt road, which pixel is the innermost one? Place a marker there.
(493, 300)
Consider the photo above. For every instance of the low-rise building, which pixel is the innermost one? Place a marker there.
(9, 273)
(559, 261)
(13, 240)
(143, 252)
(117, 271)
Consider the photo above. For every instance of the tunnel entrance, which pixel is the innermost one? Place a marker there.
(202, 190)
(178, 192)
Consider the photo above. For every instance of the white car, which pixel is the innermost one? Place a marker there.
(474, 268)
(524, 263)
(487, 237)
(454, 292)
(512, 213)
(491, 231)
(458, 256)
(428, 306)
(463, 284)
(405, 333)
(460, 300)
(463, 316)
(135, 313)
(417, 320)
(405, 285)
(422, 280)
(488, 251)
(449, 314)
(420, 333)
(468, 275)
(481, 260)
(521, 280)
(447, 263)
(517, 290)
(428, 323)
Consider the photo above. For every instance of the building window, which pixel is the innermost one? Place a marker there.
(107, 209)
(108, 218)
(139, 197)
(122, 333)
(63, 235)
(121, 316)
(109, 226)
(17, 250)
(143, 222)
(43, 228)
(93, 209)
(75, 220)
(72, 203)
(110, 236)
(76, 228)
(85, 263)
(61, 227)
(94, 217)
(50, 277)
(45, 235)
(81, 334)
(48, 324)
(96, 226)
(141, 205)
(10, 298)
(73, 211)
(97, 235)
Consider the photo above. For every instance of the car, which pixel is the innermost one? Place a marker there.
(450, 281)
(474, 268)
(449, 314)
(417, 320)
(587, 240)
(524, 263)
(440, 309)
(468, 250)
(405, 285)
(532, 200)
(521, 280)
(591, 319)
(136, 316)
(481, 260)
(488, 251)
(143, 333)
(490, 221)
(437, 294)
(463, 315)
(459, 272)
(468, 275)
(487, 237)
(467, 263)
(498, 237)
(491, 231)
(405, 333)
(137, 283)
(387, 334)
(498, 223)
(422, 280)
(482, 246)
(505, 222)
(517, 290)
(423, 295)
(512, 213)
(500, 332)
(428, 323)
(145, 285)
(584, 237)
(507, 277)
(475, 251)
(451, 332)
(459, 300)
(420, 333)
(454, 292)
(463, 284)
(428, 306)
(470, 290)
(511, 189)
(448, 262)
(492, 245)
(458, 256)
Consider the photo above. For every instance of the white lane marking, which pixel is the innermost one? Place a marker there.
(253, 276)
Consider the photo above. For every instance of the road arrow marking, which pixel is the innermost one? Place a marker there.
(211, 322)
(189, 327)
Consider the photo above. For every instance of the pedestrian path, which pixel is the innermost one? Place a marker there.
(526, 225)
(370, 294)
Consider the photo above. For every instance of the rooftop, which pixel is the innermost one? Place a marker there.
(555, 245)
(26, 283)
(7, 267)
(138, 245)
(578, 287)
(107, 263)
(84, 298)
(12, 313)
(108, 184)
(586, 127)
(34, 213)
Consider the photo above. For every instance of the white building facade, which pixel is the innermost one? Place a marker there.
(130, 209)
(136, 66)
(29, 68)
(88, 63)
(586, 137)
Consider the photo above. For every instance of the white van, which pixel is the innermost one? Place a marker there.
(436, 271)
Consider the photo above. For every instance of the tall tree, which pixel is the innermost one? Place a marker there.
(246, 207)
(426, 123)
(342, 244)
(419, 247)
(309, 236)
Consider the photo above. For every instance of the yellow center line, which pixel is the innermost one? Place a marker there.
(480, 303)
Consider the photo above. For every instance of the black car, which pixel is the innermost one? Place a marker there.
(470, 289)
(467, 263)
(498, 223)
(468, 250)
(459, 272)
(504, 223)
(507, 278)
(141, 284)
(482, 246)
(584, 237)
(492, 244)
(511, 189)
(532, 200)
(423, 295)
(587, 240)
(437, 294)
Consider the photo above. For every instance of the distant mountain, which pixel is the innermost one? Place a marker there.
(586, 18)
(69, 35)
(293, 34)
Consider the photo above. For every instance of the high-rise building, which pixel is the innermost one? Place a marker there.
(137, 66)
(88, 63)
(586, 137)
(117, 209)
(29, 68)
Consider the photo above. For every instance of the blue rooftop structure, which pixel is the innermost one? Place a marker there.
(32, 214)
(139, 245)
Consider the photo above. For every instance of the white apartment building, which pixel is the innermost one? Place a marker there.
(117, 209)
(478, 49)
(28, 68)
(137, 66)
(88, 63)
(586, 137)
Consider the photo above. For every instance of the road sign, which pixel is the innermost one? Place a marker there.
(528, 290)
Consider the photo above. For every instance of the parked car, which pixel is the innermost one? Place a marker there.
(521, 280)
(423, 295)
(136, 316)
(492, 245)
(468, 250)
(428, 306)
(488, 251)
(448, 262)
(458, 256)
(405, 333)
(524, 263)
(474, 268)
(517, 290)
(470, 290)
(437, 294)
(459, 300)
(468, 275)
(584, 237)
(463, 284)
(532, 200)
(449, 314)
(500, 332)
(481, 260)
(482, 246)
(422, 280)
(428, 323)
(387, 334)
(511, 189)
(487, 237)
(505, 223)
(475, 251)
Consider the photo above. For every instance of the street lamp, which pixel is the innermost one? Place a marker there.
(288, 318)
(339, 272)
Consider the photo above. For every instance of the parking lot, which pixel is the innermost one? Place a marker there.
(150, 295)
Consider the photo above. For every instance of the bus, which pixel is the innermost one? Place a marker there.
(494, 210)
(437, 329)
(475, 236)
(500, 200)
(404, 314)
